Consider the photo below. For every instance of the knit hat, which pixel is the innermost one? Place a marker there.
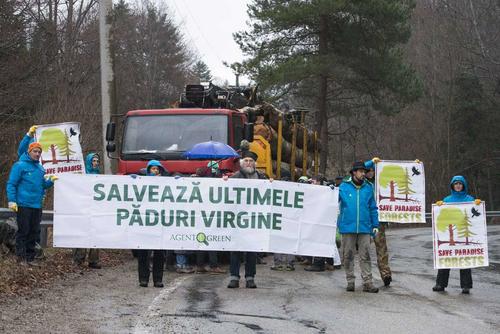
(213, 165)
(249, 154)
(34, 145)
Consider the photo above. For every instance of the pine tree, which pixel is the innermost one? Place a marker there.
(65, 147)
(202, 72)
(464, 228)
(404, 185)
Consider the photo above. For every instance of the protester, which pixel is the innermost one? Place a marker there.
(283, 262)
(154, 168)
(247, 170)
(358, 219)
(380, 239)
(25, 191)
(212, 266)
(91, 167)
(459, 194)
(319, 263)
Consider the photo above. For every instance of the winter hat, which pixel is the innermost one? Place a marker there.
(213, 165)
(34, 145)
(358, 165)
(249, 154)
(303, 179)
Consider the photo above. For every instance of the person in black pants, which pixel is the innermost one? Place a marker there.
(459, 193)
(154, 168)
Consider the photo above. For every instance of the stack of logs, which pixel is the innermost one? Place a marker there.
(266, 125)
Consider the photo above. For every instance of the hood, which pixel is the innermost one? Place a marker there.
(88, 164)
(462, 180)
(152, 163)
(26, 157)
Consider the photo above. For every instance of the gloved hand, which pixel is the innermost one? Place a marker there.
(439, 203)
(134, 176)
(417, 161)
(32, 130)
(375, 231)
(13, 206)
(51, 177)
(376, 160)
(477, 201)
(177, 177)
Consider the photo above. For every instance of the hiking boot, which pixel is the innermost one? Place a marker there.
(306, 262)
(233, 284)
(260, 260)
(370, 288)
(329, 267)
(185, 270)
(465, 291)
(143, 284)
(277, 267)
(95, 266)
(350, 287)
(34, 263)
(387, 280)
(314, 268)
(337, 266)
(158, 284)
(200, 269)
(290, 268)
(438, 288)
(251, 284)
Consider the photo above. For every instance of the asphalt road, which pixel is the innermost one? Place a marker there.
(284, 302)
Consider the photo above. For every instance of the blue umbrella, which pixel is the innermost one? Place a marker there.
(211, 150)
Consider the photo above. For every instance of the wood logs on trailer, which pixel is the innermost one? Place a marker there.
(266, 125)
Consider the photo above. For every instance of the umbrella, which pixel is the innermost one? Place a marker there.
(211, 150)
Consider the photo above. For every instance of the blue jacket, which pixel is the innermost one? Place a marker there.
(88, 164)
(358, 209)
(24, 145)
(456, 196)
(26, 185)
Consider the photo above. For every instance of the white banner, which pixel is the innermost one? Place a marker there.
(61, 150)
(400, 191)
(149, 212)
(460, 236)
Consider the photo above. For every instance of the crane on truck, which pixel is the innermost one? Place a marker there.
(231, 115)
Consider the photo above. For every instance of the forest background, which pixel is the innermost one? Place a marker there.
(395, 79)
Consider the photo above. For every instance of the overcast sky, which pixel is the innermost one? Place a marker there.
(209, 25)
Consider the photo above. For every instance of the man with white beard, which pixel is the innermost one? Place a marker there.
(247, 171)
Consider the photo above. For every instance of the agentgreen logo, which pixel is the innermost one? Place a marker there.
(202, 238)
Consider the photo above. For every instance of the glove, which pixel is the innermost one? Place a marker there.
(13, 206)
(376, 160)
(417, 161)
(477, 201)
(32, 130)
(177, 177)
(439, 203)
(225, 177)
(52, 178)
(375, 231)
(134, 176)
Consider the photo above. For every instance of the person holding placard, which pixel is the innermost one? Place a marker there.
(459, 194)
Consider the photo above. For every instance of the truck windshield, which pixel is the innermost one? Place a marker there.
(172, 133)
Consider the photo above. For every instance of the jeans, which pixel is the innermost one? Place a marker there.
(250, 265)
(28, 232)
(181, 260)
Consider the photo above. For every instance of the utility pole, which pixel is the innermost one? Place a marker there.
(107, 75)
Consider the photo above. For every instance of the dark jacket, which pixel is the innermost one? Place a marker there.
(240, 175)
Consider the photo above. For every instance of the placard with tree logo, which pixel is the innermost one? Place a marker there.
(400, 191)
(61, 150)
(460, 236)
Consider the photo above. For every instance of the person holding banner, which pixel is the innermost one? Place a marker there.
(247, 170)
(358, 220)
(153, 168)
(79, 254)
(379, 239)
(25, 191)
(459, 194)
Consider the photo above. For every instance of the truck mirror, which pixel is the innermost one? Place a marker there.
(110, 147)
(110, 131)
(248, 132)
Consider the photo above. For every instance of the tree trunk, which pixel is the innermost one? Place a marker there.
(450, 230)
(321, 116)
(392, 197)
(53, 151)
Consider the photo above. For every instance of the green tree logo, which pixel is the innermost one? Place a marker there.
(393, 175)
(52, 139)
(450, 219)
